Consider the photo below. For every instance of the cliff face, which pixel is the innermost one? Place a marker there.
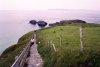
(8, 56)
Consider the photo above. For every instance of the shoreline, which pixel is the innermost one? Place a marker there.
(8, 56)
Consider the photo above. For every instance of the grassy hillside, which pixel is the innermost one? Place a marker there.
(8, 56)
(69, 54)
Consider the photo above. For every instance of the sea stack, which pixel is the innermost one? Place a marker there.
(33, 22)
(42, 23)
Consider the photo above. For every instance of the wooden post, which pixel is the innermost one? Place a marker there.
(60, 40)
(61, 30)
(53, 36)
(54, 47)
(81, 39)
(48, 42)
(51, 45)
(52, 41)
(34, 38)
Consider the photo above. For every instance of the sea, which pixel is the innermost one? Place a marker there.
(15, 23)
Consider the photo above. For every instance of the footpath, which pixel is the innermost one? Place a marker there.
(34, 59)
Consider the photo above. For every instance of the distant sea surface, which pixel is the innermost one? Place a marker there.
(14, 24)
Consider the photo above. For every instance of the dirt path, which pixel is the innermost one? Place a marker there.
(81, 39)
(34, 60)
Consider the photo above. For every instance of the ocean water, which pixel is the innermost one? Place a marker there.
(14, 24)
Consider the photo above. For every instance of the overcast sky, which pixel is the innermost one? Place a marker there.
(49, 4)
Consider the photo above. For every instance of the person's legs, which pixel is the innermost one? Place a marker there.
(32, 43)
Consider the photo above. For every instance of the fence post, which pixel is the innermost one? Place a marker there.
(60, 41)
(81, 39)
(53, 36)
(61, 30)
(20, 61)
(51, 46)
(54, 47)
(34, 38)
(48, 42)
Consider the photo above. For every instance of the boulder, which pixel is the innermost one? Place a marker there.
(33, 22)
(42, 23)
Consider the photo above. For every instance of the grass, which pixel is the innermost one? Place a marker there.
(8, 56)
(69, 54)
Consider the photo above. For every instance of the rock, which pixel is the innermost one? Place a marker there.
(42, 23)
(53, 24)
(71, 21)
(63, 22)
(33, 22)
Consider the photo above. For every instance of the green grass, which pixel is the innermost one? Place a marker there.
(8, 56)
(69, 54)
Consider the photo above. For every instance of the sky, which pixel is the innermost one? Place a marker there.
(49, 4)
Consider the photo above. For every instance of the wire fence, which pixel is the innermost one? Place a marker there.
(52, 43)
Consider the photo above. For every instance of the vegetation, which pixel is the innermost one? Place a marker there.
(69, 55)
(8, 56)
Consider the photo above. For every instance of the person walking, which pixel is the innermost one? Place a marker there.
(32, 41)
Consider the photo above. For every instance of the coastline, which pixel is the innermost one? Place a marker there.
(8, 56)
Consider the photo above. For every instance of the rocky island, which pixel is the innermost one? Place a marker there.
(39, 23)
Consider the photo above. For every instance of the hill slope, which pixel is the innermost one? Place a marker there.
(8, 56)
(69, 55)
